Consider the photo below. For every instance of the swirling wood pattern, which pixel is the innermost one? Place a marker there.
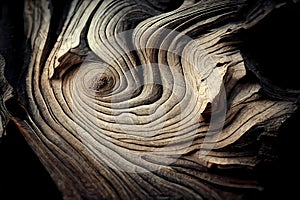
(142, 99)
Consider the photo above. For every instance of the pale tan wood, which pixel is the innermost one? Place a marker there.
(114, 115)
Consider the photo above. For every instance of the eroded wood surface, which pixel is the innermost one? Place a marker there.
(142, 99)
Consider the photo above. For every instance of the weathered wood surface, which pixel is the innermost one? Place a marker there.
(144, 99)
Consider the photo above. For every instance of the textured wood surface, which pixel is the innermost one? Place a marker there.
(145, 99)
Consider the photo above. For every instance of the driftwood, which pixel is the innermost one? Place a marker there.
(145, 99)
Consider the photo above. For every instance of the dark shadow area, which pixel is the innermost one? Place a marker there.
(11, 38)
(272, 46)
(22, 175)
(165, 5)
(280, 178)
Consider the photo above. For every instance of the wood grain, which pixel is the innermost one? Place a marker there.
(143, 99)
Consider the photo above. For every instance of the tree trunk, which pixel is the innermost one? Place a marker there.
(146, 99)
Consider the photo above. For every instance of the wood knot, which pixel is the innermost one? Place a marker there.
(102, 83)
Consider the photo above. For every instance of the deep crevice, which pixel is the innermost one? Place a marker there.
(58, 14)
(165, 5)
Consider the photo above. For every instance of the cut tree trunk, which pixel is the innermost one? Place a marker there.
(140, 99)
